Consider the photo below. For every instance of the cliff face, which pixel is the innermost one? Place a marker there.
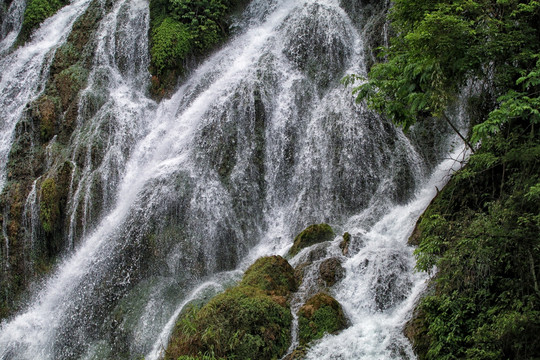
(40, 169)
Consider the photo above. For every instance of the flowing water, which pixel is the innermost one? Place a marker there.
(260, 141)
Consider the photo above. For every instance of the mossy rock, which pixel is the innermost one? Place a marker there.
(242, 323)
(49, 213)
(46, 111)
(69, 82)
(416, 330)
(313, 234)
(321, 314)
(272, 274)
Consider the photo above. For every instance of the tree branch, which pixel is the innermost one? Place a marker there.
(457, 132)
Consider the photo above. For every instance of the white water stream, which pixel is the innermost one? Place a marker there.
(259, 142)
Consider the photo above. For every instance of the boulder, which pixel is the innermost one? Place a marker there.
(313, 234)
(321, 314)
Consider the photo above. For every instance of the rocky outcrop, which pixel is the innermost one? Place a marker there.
(39, 164)
(331, 271)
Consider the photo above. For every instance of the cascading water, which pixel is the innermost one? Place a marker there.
(24, 72)
(259, 142)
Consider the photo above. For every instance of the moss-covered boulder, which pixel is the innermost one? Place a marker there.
(321, 314)
(248, 321)
(313, 234)
(243, 323)
(272, 274)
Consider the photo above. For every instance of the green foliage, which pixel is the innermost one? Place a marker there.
(171, 42)
(321, 314)
(180, 29)
(36, 11)
(482, 233)
(440, 45)
(311, 235)
(524, 104)
(273, 274)
(49, 205)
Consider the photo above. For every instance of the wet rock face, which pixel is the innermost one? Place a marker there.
(331, 271)
(390, 287)
(315, 46)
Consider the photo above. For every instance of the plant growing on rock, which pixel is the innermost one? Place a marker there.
(249, 321)
(313, 234)
(321, 314)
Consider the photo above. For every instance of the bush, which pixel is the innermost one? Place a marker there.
(184, 28)
(35, 13)
(171, 42)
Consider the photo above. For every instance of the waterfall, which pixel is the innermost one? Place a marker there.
(24, 72)
(170, 202)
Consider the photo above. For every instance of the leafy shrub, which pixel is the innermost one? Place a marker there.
(184, 28)
(482, 234)
(171, 42)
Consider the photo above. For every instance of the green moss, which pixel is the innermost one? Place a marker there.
(321, 314)
(242, 323)
(35, 13)
(249, 321)
(182, 29)
(313, 234)
(47, 113)
(69, 82)
(171, 42)
(49, 205)
(272, 274)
